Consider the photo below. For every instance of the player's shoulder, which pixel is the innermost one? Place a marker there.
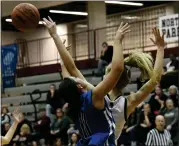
(86, 95)
(86, 98)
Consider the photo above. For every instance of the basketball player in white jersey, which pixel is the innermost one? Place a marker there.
(120, 106)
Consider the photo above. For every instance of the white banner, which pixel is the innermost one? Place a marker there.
(170, 25)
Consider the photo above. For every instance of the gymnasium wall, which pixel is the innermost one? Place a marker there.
(45, 51)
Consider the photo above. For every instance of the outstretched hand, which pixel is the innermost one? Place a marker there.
(122, 30)
(17, 115)
(159, 40)
(51, 26)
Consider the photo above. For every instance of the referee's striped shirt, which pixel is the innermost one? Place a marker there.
(157, 138)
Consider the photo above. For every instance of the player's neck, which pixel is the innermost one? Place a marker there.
(114, 93)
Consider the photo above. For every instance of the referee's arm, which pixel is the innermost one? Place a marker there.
(149, 139)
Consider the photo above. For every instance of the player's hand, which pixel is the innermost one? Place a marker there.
(17, 115)
(122, 30)
(51, 26)
(159, 40)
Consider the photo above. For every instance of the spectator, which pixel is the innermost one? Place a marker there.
(159, 135)
(173, 94)
(24, 121)
(128, 134)
(171, 117)
(58, 142)
(60, 126)
(17, 117)
(43, 126)
(72, 130)
(55, 128)
(6, 128)
(73, 139)
(53, 102)
(131, 126)
(105, 58)
(145, 123)
(172, 64)
(5, 118)
(34, 143)
(157, 100)
(23, 136)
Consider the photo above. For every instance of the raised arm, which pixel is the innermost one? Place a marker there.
(64, 71)
(136, 98)
(117, 66)
(17, 119)
(86, 85)
(68, 60)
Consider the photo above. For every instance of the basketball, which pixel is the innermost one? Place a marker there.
(25, 17)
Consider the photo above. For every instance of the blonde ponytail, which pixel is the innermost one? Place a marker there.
(143, 61)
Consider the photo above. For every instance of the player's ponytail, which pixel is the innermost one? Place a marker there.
(143, 61)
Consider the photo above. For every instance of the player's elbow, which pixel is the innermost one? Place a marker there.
(117, 67)
(72, 69)
(156, 78)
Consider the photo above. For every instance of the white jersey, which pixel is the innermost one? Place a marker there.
(118, 108)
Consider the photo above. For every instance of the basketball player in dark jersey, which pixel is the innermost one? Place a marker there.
(89, 108)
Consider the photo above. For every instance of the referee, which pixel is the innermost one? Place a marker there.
(159, 136)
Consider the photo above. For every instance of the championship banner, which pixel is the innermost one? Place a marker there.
(170, 25)
(8, 64)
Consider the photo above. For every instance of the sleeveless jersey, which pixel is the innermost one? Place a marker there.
(96, 126)
(118, 108)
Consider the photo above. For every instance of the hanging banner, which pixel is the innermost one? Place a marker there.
(170, 25)
(8, 64)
